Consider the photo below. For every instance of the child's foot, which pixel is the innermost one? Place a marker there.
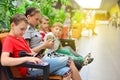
(87, 59)
(90, 60)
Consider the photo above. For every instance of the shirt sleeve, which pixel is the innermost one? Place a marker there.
(8, 46)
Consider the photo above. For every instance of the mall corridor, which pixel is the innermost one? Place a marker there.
(105, 48)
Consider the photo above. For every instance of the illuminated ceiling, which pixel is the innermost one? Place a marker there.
(105, 4)
(91, 4)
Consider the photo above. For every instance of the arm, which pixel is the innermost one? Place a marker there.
(35, 49)
(46, 44)
(6, 60)
(29, 35)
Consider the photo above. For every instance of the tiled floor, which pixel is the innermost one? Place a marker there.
(105, 48)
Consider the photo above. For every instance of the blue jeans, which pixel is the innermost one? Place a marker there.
(58, 66)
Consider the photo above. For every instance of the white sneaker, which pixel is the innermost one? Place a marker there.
(86, 59)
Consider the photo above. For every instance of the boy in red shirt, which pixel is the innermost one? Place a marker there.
(16, 44)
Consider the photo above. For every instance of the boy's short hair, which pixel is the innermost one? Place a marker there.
(17, 18)
(31, 11)
(58, 24)
(44, 18)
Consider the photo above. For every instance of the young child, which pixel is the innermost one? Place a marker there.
(44, 26)
(56, 30)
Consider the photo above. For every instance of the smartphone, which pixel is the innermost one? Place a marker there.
(40, 52)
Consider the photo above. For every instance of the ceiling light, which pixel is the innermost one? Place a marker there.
(94, 4)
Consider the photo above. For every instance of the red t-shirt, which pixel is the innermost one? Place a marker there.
(42, 34)
(14, 46)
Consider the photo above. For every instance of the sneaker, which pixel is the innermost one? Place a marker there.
(87, 59)
(90, 60)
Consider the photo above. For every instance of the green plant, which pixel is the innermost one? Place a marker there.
(4, 7)
(77, 17)
(46, 8)
(7, 9)
(10, 7)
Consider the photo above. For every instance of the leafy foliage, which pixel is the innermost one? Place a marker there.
(7, 9)
(77, 17)
(46, 7)
(10, 7)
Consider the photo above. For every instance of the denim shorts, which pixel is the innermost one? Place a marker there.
(58, 66)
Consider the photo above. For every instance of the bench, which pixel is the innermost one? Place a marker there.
(65, 42)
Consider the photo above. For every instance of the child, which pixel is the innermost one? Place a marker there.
(56, 30)
(9, 57)
(44, 26)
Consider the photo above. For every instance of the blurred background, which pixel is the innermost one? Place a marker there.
(93, 24)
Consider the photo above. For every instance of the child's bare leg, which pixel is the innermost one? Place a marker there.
(75, 73)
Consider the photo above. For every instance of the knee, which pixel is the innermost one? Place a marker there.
(72, 64)
(69, 47)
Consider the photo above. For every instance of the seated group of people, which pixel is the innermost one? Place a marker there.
(24, 37)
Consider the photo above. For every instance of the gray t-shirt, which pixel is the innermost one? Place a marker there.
(34, 36)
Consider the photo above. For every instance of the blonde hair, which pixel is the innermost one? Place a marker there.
(58, 24)
(44, 18)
